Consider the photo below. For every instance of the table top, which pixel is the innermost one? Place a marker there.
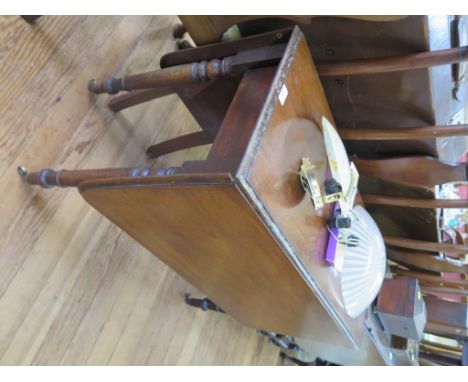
(289, 128)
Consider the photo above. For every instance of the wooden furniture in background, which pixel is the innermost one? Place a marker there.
(413, 171)
(425, 261)
(413, 202)
(403, 133)
(232, 58)
(415, 98)
(400, 308)
(446, 318)
(210, 29)
(430, 279)
(214, 69)
(421, 245)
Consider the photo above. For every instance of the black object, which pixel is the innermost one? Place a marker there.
(204, 303)
(280, 340)
(316, 362)
(332, 186)
(339, 221)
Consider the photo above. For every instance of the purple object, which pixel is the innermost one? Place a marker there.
(332, 242)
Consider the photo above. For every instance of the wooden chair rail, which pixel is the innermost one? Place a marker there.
(413, 202)
(425, 261)
(430, 279)
(437, 290)
(394, 64)
(137, 97)
(403, 133)
(421, 245)
(417, 171)
(197, 138)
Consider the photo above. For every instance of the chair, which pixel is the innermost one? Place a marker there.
(205, 79)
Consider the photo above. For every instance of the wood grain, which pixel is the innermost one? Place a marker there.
(191, 229)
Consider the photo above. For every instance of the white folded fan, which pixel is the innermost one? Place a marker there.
(361, 267)
(342, 170)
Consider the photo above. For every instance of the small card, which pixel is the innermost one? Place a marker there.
(283, 95)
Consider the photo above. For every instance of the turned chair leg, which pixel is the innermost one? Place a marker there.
(429, 246)
(394, 64)
(183, 142)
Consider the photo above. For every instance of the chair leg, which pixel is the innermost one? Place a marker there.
(187, 141)
(49, 178)
(179, 30)
(394, 64)
(413, 171)
(136, 97)
(430, 279)
(425, 261)
(421, 245)
(436, 290)
(413, 202)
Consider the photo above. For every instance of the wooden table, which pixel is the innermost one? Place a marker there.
(238, 225)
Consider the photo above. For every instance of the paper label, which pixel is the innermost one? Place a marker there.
(283, 95)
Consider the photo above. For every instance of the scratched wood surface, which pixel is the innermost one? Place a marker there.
(75, 289)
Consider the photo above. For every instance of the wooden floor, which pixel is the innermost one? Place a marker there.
(74, 289)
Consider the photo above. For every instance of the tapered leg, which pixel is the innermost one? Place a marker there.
(49, 178)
